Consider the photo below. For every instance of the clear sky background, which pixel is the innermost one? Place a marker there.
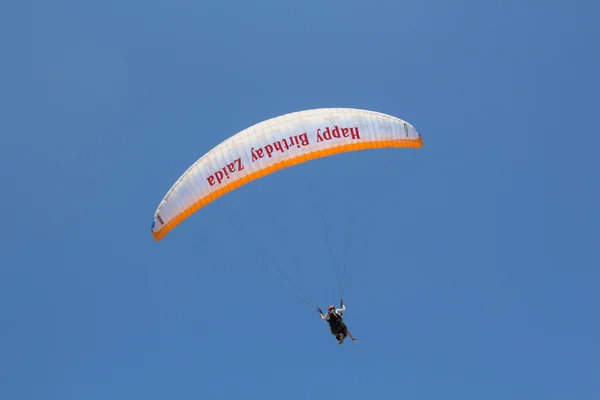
(472, 262)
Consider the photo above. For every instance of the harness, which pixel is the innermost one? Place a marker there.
(335, 319)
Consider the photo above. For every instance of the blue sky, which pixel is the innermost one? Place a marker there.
(473, 269)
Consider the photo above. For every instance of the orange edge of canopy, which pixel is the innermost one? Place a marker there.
(169, 226)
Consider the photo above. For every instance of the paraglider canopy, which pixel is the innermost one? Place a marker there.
(272, 145)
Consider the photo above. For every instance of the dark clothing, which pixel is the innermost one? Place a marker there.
(336, 324)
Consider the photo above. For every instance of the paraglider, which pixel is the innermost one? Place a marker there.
(336, 322)
(270, 146)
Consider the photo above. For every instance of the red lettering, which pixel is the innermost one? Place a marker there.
(228, 169)
(277, 145)
(303, 140)
(335, 132)
(240, 166)
(319, 137)
(269, 150)
(281, 145)
(256, 154)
